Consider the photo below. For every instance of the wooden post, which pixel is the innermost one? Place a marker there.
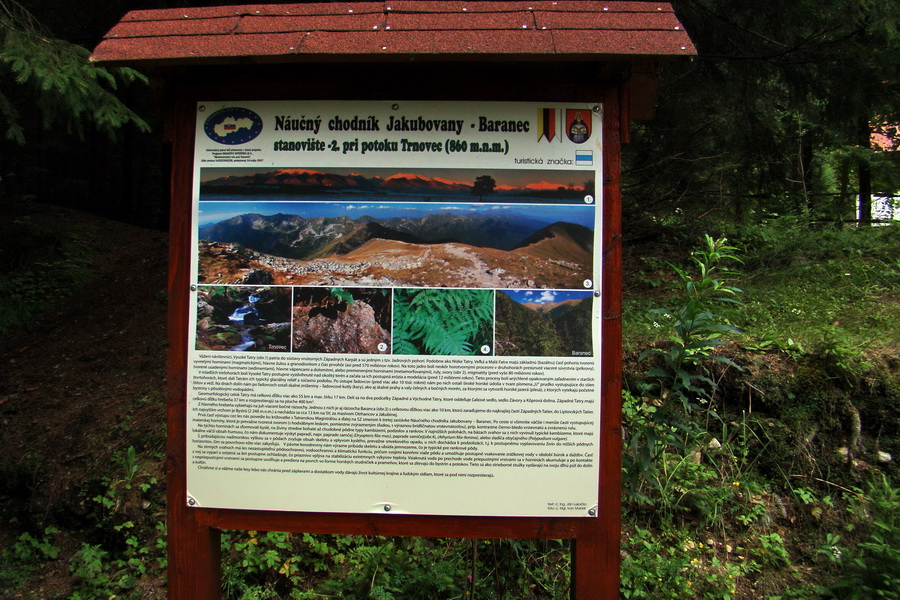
(194, 556)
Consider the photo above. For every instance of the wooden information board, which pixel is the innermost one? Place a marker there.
(480, 444)
(396, 308)
(370, 203)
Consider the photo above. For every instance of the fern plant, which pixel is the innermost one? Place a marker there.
(342, 295)
(443, 322)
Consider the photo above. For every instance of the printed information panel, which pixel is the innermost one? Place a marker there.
(397, 308)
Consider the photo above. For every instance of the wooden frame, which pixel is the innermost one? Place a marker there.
(194, 566)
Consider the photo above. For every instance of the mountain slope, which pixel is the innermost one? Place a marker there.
(359, 236)
(292, 236)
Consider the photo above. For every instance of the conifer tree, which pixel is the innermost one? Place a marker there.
(57, 77)
(774, 115)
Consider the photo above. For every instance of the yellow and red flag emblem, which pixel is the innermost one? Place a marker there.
(547, 123)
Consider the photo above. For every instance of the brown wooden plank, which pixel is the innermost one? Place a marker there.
(194, 560)
(605, 549)
(393, 525)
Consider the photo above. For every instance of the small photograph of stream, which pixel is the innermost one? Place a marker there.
(244, 318)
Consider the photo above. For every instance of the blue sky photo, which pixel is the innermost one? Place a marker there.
(545, 296)
(214, 212)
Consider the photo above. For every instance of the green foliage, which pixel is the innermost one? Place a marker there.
(100, 573)
(341, 295)
(818, 352)
(67, 88)
(871, 567)
(130, 548)
(22, 556)
(822, 293)
(679, 385)
(673, 567)
(281, 565)
(450, 322)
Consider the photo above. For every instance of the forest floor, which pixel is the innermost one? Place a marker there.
(81, 383)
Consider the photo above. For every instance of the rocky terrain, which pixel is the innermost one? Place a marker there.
(556, 261)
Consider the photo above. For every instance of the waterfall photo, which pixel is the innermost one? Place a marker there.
(243, 318)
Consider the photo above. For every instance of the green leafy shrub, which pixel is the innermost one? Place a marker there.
(871, 567)
(678, 386)
(672, 566)
(22, 556)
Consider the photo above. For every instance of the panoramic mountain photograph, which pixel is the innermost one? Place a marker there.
(395, 244)
(544, 323)
(542, 186)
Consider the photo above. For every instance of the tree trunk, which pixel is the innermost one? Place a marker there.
(864, 174)
(865, 193)
(806, 168)
(844, 199)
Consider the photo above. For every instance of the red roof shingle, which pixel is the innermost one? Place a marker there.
(542, 28)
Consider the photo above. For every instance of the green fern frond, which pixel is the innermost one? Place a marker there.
(451, 322)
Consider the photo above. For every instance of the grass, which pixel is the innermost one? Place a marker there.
(757, 478)
(798, 288)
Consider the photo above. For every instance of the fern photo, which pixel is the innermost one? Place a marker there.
(443, 322)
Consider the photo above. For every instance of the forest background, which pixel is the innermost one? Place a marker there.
(760, 329)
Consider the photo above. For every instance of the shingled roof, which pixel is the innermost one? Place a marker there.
(539, 30)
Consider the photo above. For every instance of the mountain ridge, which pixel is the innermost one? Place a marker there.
(293, 236)
(308, 181)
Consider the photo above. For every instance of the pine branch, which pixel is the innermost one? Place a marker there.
(68, 89)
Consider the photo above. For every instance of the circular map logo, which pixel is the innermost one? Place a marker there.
(233, 126)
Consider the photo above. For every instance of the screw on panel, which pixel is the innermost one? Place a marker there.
(193, 287)
(596, 294)
(191, 502)
(395, 107)
(592, 511)
(387, 508)
(596, 108)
